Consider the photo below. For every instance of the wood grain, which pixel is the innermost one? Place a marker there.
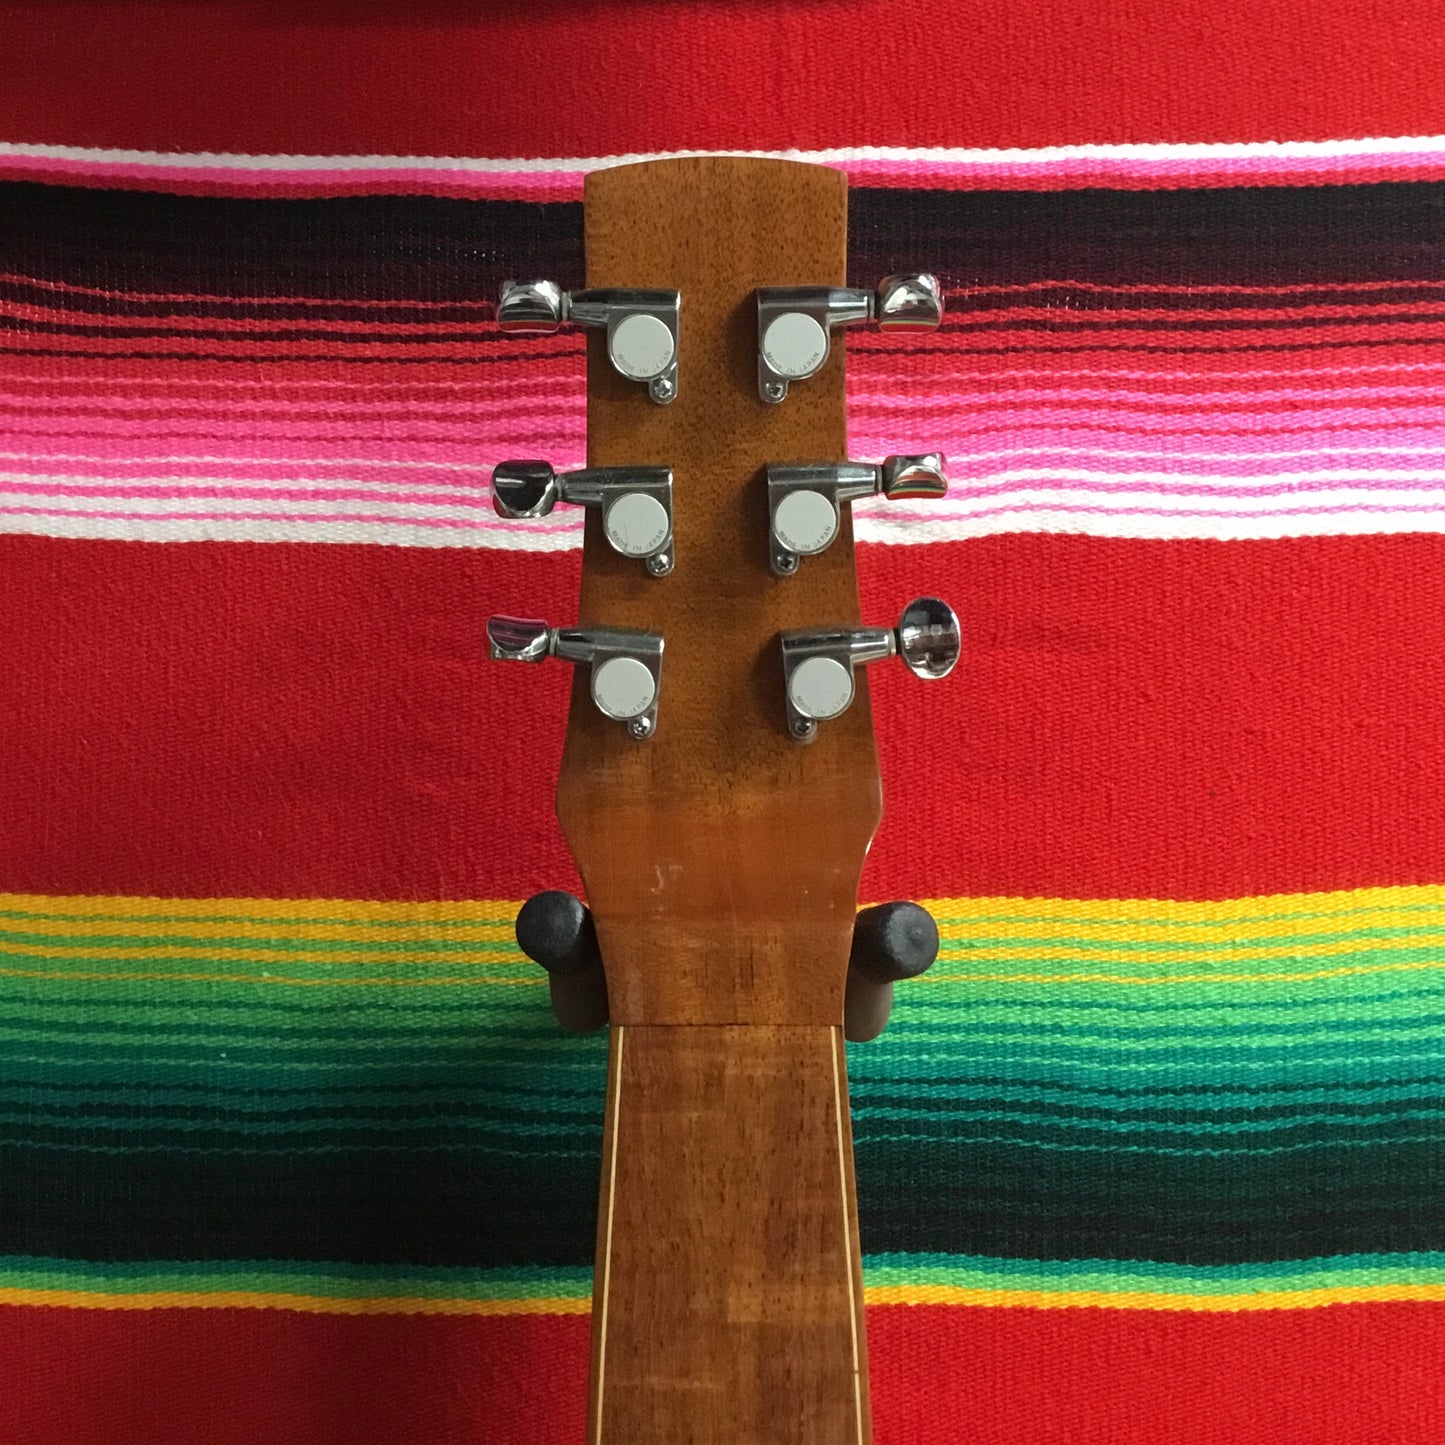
(721, 858)
(727, 1306)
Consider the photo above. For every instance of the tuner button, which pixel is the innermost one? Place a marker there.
(531, 306)
(912, 298)
(913, 477)
(518, 639)
(818, 662)
(524, 489)
(929, 637)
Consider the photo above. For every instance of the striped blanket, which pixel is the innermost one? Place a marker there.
(290, 1149)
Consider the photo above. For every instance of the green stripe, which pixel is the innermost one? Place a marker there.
(346, 1281)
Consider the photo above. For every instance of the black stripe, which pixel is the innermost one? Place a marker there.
(445, 249)
(485, 1208)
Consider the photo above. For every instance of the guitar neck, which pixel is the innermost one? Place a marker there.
(727, 1303)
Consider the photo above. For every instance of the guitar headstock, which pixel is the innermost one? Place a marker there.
(721, 833)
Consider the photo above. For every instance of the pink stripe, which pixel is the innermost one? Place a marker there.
(494, 525)
(1185, 488)
(963, 468)
(1084, 509)
(291, 518)
(478, 501)
(978, 173)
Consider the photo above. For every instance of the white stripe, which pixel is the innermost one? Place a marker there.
(1165, 528)
(232, 529)
(944, 155)
(188, 488)
(1297, 518)
(301, 507)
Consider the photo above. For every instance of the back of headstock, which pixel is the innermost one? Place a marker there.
(721, 858)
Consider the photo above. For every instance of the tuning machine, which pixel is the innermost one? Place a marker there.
(626, 666)
(803, 499)
(818, 662)
(641, 325)
(794, 322)
(636, 503)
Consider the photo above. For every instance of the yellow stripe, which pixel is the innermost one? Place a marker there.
(1288, 1299)
(877, 1296)
(487, 920)
(307, 1304)
(280, 980)
(1262, 910)
(1335, 948)
(267, 955)
(281, 910)
(1229, 911)
(1253, 933)
(1176, 978)
(223, 925)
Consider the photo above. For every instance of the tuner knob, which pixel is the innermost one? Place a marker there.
(641, 325)
(804, 499)
(818, 662)
(636, 503)
(626, 666)
(794, 322)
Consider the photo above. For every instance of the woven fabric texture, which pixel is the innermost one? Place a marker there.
(290, 1150)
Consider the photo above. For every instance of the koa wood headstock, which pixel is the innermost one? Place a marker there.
(721, 852)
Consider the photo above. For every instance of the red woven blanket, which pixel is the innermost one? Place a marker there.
(290, 1150)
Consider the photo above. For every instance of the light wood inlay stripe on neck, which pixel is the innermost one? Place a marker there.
(606, 1251)
(839, 1106)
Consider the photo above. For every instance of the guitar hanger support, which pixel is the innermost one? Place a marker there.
(892, 943)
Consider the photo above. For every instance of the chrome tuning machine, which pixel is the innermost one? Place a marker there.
(626, 666)
(641, 325)
(818, 662)
(636, 503)
(804, 499)
(794, 322)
